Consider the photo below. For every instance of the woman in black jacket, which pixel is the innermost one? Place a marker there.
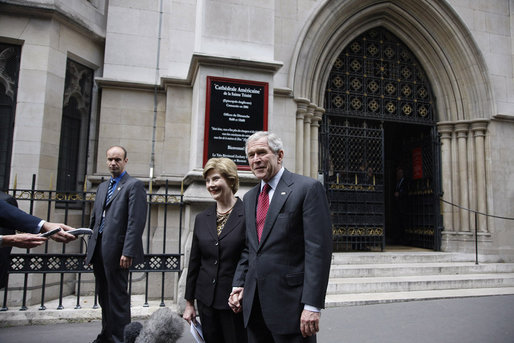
(218, 239)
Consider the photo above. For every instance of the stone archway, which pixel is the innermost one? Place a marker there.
(380, 121)
(454, 65)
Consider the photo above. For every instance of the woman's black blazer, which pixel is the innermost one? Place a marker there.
(213, 259)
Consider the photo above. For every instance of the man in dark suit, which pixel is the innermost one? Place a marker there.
(283, 270)
(118, 221)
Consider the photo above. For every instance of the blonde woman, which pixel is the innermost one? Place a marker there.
(218, 239)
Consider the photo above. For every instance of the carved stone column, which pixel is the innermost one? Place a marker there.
(479, 129)
(307, 140)
(454, 166)
(446, 129)
(462, 131)
(300, 114)
(316, 119)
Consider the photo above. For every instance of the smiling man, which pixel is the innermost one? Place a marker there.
(282, 275)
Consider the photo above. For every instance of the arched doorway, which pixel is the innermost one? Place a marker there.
(379, 151)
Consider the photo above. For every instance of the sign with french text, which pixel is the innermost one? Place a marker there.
(235, 109)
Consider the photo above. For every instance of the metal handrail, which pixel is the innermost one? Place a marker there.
(476, 221)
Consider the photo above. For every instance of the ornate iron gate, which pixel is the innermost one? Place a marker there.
(376, 80)
(422, 227)
(354, 178)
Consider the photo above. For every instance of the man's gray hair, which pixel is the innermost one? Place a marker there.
(274, 142)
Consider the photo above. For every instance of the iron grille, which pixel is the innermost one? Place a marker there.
(354, 181)
(375, 79)
(377, 76)
(421, 222)
(74, 263)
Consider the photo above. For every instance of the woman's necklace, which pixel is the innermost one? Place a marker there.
(222, 218)
(223, 213)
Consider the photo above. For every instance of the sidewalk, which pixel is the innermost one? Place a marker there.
(462, 320)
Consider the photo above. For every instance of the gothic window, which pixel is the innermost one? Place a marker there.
(74, 127)
(9, 70)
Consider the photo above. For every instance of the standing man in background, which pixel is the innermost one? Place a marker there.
(118, 221)
(285, 266)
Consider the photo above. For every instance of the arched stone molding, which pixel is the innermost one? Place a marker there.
(430, 28)
(454, 65)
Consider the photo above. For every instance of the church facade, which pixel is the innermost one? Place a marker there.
(403, 109)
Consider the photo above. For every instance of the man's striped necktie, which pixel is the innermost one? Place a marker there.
(110, 191)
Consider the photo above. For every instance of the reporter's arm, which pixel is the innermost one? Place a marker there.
(22, 240)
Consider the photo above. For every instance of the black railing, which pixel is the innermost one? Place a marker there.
(476, 213)
(75, 209)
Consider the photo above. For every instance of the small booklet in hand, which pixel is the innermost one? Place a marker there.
(196, 331)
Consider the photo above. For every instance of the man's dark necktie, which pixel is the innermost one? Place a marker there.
(262, 209)
(110, 191)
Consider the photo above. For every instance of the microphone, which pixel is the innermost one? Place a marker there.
(163, 326)
(131, 332)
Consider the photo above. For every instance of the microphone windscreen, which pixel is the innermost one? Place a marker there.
(163, 326)
(131, 331)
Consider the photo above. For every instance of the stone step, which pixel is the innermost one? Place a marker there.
(417, 268)
(338, 300)
(406, 257)
(378, 277)
(418, 283)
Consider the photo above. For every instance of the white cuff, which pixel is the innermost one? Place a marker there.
(40, 225)
(311, 308)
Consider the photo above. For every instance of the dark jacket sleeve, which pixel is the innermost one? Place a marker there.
(13, 218)
(137, 219)
(241, 269)
(194, 267)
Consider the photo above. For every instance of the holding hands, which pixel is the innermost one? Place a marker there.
(235, 298)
